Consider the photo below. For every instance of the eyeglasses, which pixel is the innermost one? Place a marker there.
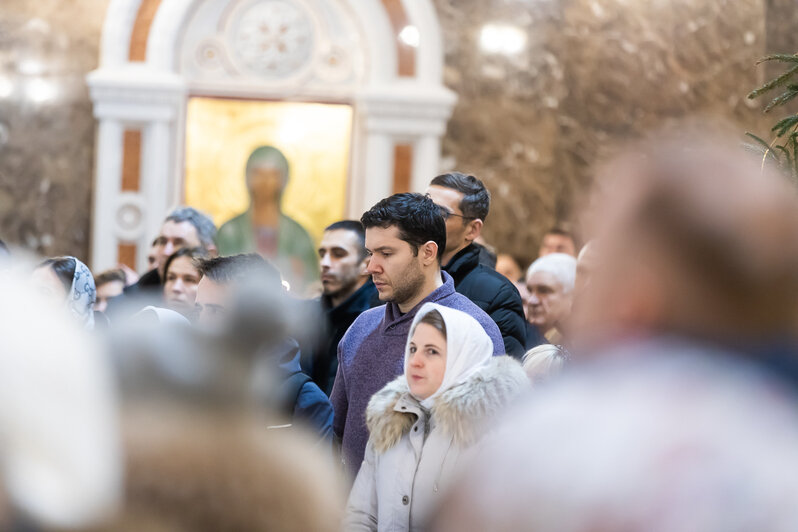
(446, 213)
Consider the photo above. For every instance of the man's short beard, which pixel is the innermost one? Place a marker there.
(409, 286)
(343, 289)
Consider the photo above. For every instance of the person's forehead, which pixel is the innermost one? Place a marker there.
(211, 292)
(341, 238)
(45, 275)
(427, 332)
(557, 239)
(383, 236)
(543, 278)
(448, 197)
(182, 265)
(184, 230)
(113, 285)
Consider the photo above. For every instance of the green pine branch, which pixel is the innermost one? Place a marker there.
(784, 147)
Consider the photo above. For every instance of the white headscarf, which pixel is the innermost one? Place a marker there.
(468, 347)
(162, 315)
(82, 295)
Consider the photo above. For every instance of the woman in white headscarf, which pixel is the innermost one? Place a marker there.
(66, 279)
(423, 425)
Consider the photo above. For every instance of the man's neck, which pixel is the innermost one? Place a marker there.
(342, 296)
(431, 283)
(449, 255)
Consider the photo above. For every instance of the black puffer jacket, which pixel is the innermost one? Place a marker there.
(493, 293)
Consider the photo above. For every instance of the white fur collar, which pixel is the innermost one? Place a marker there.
(461, 411)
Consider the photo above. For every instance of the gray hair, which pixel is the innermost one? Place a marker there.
(206, 229)
(560, 265)
(544, 361)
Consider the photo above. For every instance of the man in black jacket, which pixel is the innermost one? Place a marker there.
(347, 290)
(464, 203)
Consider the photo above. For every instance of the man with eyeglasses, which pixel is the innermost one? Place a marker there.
(464, 203)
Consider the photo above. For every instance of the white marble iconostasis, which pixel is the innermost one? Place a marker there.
(381, 59)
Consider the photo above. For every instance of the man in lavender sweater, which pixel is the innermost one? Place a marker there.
(406, 237)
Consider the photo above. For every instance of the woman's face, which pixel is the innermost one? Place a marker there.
(426, 361)
(46, 282)
(180, 285)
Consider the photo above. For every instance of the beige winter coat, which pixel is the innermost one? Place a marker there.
(412, 454)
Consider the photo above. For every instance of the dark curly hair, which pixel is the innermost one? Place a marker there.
(416, 216)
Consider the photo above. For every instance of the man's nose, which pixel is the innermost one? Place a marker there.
(373, 265)
(325, 261)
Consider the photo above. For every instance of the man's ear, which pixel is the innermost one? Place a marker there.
(473, 230)
(428, 252)
(213, 251)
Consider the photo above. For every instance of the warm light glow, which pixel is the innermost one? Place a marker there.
(6, 87)
(221, 134)
(502, 39)
(30, 67)
(40, 91)
(410, 36)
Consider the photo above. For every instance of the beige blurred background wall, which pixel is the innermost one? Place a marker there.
(591, 72)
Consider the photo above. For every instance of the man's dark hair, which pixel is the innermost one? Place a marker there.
(246, 267)
(416, 216)
(110, 276)
(354, 226)
(476, 198)
(206, 230)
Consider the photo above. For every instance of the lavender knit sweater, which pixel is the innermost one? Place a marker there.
(371, 354)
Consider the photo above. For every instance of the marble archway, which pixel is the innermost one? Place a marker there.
(157, 54)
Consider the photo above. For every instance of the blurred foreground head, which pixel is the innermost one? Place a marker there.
(207, 446)
(694, 238)
(60, 463)
(681, 443)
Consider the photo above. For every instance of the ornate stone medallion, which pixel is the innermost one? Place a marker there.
(273, 38)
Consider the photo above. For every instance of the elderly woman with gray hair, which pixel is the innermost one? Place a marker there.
(550, 282)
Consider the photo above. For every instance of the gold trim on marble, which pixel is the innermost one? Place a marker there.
(402, 167)
(126, 254)
(141, 29)
(406, 54)
(131, 161)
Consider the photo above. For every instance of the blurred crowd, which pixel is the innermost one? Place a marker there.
(639, 375)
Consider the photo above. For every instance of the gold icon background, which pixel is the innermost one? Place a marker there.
(315, 138)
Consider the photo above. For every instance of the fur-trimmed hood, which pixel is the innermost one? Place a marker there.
(462, 411)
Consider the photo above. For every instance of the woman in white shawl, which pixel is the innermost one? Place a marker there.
(66, 279)
(425, 423)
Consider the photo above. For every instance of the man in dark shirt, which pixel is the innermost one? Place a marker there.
(347, 290)
(464, 202)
